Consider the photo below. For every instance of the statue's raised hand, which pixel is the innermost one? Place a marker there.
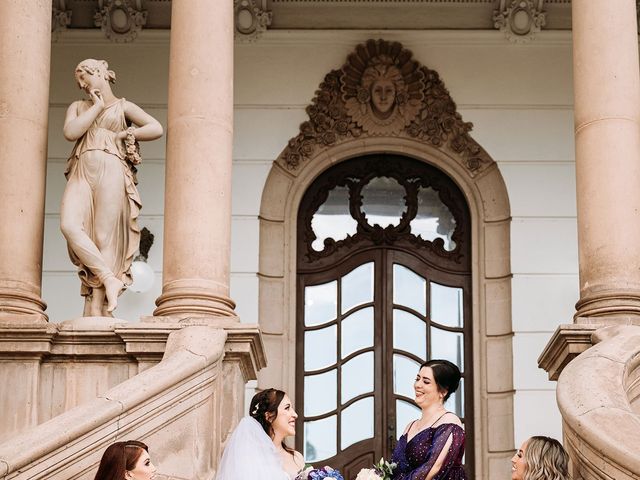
(96, 98)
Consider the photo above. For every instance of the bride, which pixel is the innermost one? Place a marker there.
(256, 448)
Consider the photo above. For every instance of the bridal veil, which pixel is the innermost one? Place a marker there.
(250, 453)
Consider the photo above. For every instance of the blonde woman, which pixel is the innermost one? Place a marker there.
(540, 458)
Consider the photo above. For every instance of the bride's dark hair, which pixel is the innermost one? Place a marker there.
(266, 403)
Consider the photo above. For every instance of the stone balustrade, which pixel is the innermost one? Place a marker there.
(599, 397)
(165, 405)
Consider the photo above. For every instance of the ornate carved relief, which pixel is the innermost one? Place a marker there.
(520, 20)
(60, 16)
(120, 20)
(412, 175)
(251, 19)
(382, 91)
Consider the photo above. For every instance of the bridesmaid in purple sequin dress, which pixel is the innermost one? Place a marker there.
(432, 447)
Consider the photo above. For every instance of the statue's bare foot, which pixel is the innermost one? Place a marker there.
(112, 288)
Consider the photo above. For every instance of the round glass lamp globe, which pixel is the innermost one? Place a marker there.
(143, 277)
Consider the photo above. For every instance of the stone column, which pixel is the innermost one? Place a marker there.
(25, 53)
(197, 222)
(607, 136)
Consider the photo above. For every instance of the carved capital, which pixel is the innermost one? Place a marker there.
(382, 91)
(520, 20)
(120, 20)
(60, 16)
(251, 19)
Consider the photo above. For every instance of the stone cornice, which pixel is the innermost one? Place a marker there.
(256, 15)
(567, 342)
(411, 39)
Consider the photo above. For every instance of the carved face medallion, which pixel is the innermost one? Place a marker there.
(372, 88)
(382, 91)
(383, 97)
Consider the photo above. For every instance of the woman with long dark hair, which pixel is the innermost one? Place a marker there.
(126, 461)
(256, 449)
(432, 447)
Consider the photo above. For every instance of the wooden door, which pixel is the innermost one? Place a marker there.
(383, 285)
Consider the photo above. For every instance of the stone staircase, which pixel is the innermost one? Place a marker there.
(183, 406)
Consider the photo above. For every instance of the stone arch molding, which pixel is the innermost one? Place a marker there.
(347, 118)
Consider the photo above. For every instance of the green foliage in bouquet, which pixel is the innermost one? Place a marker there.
(384, 469)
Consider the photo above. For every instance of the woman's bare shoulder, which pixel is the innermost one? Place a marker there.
(449, 417)
(298, 458)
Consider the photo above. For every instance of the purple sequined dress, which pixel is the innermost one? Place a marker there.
(416, 457)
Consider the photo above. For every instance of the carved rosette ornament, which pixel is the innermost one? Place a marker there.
(60, 16)
(520, 20)
(251, 19)
(382, 91)
(120, 20)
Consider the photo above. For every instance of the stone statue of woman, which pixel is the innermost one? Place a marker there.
(100, 204)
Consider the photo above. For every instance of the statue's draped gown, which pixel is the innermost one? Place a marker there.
(416, 457)
(104, 184)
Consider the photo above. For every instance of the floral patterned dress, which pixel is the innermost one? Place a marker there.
(416, 457)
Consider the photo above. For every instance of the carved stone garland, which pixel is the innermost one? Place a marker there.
(120, 20)
(251, 19)
(382, 91)
(60, 16)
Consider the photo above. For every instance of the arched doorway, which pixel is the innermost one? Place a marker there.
(384, 283)
(437, 136)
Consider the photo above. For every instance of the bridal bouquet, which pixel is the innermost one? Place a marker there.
(382, 470)
(311, 473)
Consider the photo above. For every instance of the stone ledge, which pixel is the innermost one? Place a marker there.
(92, 338)
(567, 342)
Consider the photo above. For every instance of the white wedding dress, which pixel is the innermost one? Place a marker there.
(250, 454)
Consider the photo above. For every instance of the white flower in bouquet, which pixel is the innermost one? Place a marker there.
(304, 474)
(368, 474)
(382, 470)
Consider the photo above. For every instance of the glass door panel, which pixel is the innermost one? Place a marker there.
(357, 422)
(409, 289)
(320, 303)
(446, 305)
(357, 287)
(409, 333)
(357, 331)
(357, 376)
(320, 393)
(320, 439)
(405, 413)
(404, 371)
(321, 351)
